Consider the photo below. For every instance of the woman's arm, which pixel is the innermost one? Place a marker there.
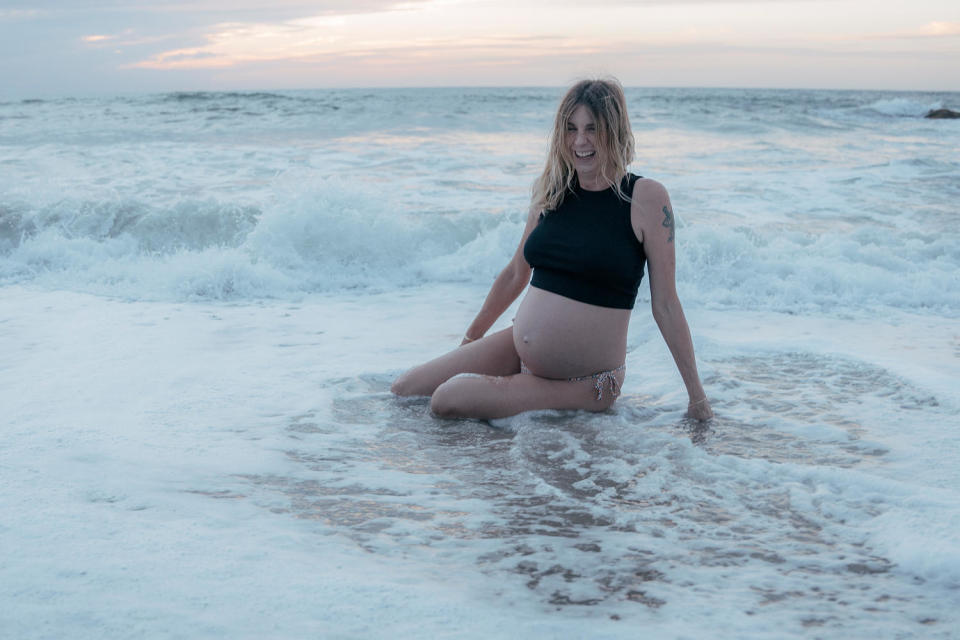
(652, 218)
(506, 288)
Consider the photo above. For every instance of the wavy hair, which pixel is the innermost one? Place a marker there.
(605, 100)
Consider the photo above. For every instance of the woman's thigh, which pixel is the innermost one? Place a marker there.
(492, 355)
(487, 397)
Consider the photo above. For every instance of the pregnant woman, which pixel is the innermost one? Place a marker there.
(591, 228)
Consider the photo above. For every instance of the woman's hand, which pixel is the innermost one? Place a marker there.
(700, 410)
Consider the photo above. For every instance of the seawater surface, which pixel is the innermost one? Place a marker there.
(204, 298)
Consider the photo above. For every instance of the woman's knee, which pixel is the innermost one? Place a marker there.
(407, 384)
(449, 400)
(443, 402)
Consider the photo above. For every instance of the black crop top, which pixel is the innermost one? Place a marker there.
(587, 250)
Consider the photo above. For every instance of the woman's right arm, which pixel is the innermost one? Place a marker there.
(506, 288)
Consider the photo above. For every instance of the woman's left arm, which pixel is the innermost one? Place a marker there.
(652, 218)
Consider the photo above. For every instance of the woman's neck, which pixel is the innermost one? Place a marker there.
(592, 182)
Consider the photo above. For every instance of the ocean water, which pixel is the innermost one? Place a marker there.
(204, 298)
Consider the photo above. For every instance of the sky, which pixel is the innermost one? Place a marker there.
(51, 48)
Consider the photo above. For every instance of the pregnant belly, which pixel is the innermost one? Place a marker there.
(557, 337)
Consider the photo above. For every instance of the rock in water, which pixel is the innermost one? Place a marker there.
(942, 113)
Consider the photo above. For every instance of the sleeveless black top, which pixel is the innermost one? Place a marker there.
(586, 248)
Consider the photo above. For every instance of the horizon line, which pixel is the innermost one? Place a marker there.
(105, 93)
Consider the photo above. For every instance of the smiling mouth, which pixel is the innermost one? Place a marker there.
(585, 154)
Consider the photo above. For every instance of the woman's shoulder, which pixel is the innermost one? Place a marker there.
(649, 193)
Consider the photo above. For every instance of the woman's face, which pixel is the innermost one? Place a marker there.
(581, 141)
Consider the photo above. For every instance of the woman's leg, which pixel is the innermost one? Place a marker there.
(492, 355)
(488, 397)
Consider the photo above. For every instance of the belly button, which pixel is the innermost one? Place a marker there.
(526, 339)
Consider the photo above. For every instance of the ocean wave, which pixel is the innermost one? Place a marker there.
(903, 107)
(187, 225)
(251, 103)
(798, 272)
(318, 234)
(204, 96)
(324, 235)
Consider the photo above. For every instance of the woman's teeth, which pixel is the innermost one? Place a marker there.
(585, 154)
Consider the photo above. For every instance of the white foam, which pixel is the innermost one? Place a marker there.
(922, 538)
(221, 448)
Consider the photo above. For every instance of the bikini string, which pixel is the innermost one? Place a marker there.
(600, 378)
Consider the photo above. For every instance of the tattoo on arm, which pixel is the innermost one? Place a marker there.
(668, 222)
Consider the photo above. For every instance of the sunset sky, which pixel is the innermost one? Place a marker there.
(61, 47)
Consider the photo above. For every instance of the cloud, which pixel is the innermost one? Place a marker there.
(399, 42)
(234, 46)
(599, 4)
(212, 36)
(20, 14)
(204, 10)
(937, 30)
(138, 22)
(388, 41)
(414, 29)
(934, 29)
(239, 45)
(235, 43)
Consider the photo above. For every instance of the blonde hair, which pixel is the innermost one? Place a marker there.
(605, 100)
